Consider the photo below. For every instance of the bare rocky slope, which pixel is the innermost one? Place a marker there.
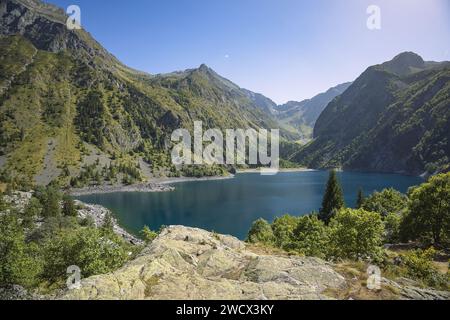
(187, 263)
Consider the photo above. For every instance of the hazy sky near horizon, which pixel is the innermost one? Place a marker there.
(284, 49)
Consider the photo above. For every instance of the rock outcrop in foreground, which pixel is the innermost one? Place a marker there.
(187, 263)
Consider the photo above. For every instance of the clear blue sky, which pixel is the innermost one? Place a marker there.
(285, 49)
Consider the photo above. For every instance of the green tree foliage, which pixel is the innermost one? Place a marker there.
(261, 232)
(333, 200)
(90, 118)
(311, 237)
(419, 266)
(356, 234)
(50, 199)
(204, 171)
(392, 224)
(283, 229)
(39, 256)
(148, 235)
(30, 213)
(360, 199)
(19, 262)
(69, 208)
(385, 202)
(428, 218)
(86, 248)
(108, 225)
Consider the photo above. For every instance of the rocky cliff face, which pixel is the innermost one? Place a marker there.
(186, 263)
(44, 26)
(192, 264)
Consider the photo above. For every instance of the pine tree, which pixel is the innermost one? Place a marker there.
(108, 225)
(51, 202)
(361, 199)
(69, 207)
(333, 200)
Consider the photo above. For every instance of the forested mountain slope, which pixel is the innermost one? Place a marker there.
(67, 103)
(394, 118)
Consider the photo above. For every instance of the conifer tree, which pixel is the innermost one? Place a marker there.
(360, 200)
(333, 199)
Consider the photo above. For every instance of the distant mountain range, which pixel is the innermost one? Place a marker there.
(67, 103)
(304, 114)
(394, 118)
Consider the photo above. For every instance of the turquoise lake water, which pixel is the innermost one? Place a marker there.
(230, 206)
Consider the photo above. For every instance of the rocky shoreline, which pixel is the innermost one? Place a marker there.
(287, 170)
(149, 187)
(98, 214)
(157, 185)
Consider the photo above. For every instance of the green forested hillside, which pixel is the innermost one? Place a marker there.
(70, 110)
(394, 118)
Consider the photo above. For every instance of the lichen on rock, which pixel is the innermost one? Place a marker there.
(188, 263)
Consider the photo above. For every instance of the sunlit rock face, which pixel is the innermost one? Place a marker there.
(187, 263)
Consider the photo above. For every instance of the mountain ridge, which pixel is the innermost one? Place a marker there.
(393, 118)
(51, 77)
(305, 113)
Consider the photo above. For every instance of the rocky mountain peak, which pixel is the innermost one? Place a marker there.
(44, 25)
(203, 67)
(404, 63)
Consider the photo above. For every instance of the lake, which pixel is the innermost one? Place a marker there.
(230, 206)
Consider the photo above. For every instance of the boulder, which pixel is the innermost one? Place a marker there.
(193, 264)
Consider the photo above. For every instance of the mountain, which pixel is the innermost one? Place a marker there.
(69, 108)
(264, 103)
(394, 118)
(304, 114)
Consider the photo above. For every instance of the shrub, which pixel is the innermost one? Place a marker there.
(32, 210)
(148, 235)
(261, 232)
(69, 208)
(419, 266)
(310, 237)
(283, 229)
(392, 227)
(386, 202)
(356, 234)
(19, 262)
(86, 248)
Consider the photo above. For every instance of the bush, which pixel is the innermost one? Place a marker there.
(86, 248)
(356, 234)
(386, 202)
(392, 224)
(19, 262)
(310, 237)
(419, 266)
(148, 235)
(32, 211)
(50, 199)
(69, 208)
(261, 232)
(283, 229)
